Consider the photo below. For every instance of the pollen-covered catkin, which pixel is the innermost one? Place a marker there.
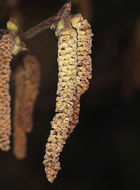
(84, 62)
(19, 143)
(66, 94)
(31, 89)
(6, 46)
(84, 67)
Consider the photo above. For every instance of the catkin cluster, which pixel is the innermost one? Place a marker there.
(6, 47)
(75, 70)
(75, 67)
(27, 79)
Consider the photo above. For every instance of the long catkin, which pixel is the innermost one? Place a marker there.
(6, 46)
(20, 139)
(84, 62)
(31, 90)
(66, 94)
(27, 80)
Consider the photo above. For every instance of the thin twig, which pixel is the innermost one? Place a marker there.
(48, 23)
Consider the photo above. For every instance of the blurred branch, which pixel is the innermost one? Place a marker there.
(48, 23)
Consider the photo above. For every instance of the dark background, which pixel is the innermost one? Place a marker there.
(103, 153)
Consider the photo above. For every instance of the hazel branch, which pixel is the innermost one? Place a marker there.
(48, 23)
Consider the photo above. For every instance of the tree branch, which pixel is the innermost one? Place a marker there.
(48, 23)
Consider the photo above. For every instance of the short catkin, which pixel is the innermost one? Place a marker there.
(19, 143)
(66, 94)
(6, 47)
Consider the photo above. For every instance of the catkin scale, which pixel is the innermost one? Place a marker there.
(66, 94)
(6, 46)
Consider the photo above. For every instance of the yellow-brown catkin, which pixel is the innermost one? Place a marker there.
(6, 46)
(84, 62)
(66, 92)
(19, 143)
(31, 89)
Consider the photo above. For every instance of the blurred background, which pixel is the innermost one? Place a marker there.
(104, 150)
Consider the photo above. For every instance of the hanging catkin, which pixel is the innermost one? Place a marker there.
(6, 46)
(84, 62)
(27, 79)
(31, 83)
(19, 143)
(66, 91)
